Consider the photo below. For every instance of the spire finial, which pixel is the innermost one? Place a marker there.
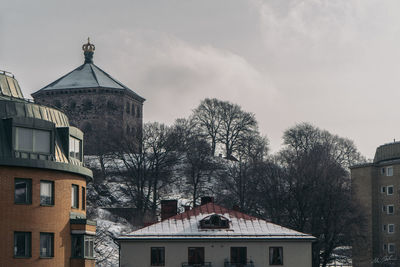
(88, 51)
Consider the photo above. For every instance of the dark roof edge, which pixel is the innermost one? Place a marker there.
(50, 165)
(219, 238)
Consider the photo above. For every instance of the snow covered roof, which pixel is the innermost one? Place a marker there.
(187, 225)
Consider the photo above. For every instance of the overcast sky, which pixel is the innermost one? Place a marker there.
(334, 64)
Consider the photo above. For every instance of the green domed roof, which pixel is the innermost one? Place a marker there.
(9, 86)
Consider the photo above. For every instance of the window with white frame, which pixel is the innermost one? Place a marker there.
(46, 193)
(390, 228)
(32, 140)
(390, 209)
(390, 190)
(75, 148)
(391, 248)
(389, 171)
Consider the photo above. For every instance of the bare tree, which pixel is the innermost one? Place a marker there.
(238, 183)
(147, 172)
(235, 123)
(317, 185)
(208, 116)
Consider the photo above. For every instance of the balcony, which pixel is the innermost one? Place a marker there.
(204, 264)
(234, 264)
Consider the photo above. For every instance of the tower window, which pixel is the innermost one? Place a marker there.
(75, 196)
(133, 109)
(22, 191)
(83, 198)
(82, 246)
(46, 193)
(46, 245)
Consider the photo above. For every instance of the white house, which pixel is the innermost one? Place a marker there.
(213, 236)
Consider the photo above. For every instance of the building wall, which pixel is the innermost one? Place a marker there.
(35, 218)
(102, 114)
(367, 183)
(137, 254)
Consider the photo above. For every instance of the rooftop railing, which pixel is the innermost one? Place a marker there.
(235, 264)
(204, 264)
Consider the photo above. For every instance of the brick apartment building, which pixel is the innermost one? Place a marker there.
(376, 187)
(43, 185)
(106, 110)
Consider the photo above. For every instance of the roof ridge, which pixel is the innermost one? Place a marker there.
(94, 74)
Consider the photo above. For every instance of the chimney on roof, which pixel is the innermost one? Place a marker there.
(169, 208)
(205, 200)
(236, 208)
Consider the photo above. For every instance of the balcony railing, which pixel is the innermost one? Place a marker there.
(234, 264)
(204, 264)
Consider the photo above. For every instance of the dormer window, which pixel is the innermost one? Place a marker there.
(75, 148)
(214, 221)
(32, 140)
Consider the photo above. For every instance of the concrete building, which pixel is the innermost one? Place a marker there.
(376, 188)
(212, 236)
(106, 110)
(43, 185)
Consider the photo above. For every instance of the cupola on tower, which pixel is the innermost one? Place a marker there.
(106, 110)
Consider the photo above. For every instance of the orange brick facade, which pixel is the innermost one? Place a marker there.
(35, 218)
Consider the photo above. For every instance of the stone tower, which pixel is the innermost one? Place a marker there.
(106, 110)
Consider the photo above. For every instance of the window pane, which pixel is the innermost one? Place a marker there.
(46, 193)
(74, 196)
(71, 147)
(24, 139)
(41, 141)
(77, 246)
(22, 244)
(75, 148)
(196, 255)
(46, 244)
(83, 198)
(276, 256)
(22, 193)
(239, 255)
(157, 256)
